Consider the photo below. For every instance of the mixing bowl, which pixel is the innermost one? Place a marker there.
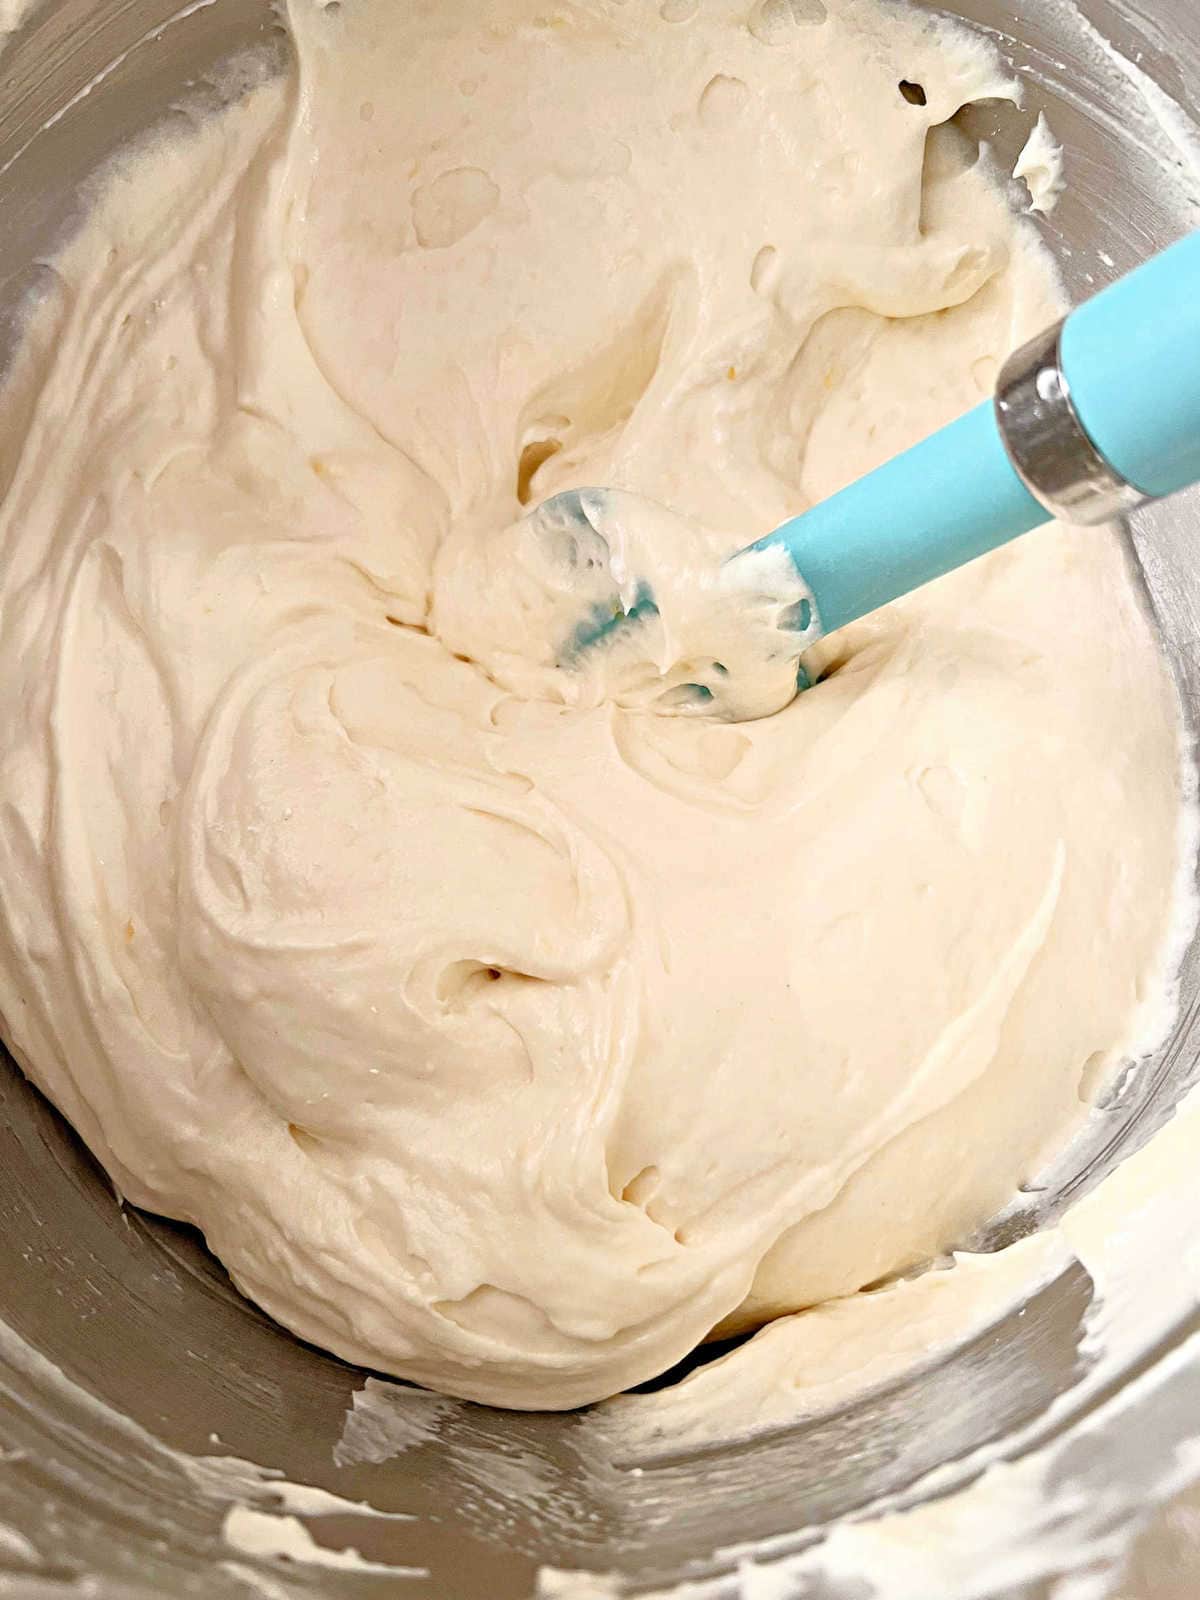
(159, 1436)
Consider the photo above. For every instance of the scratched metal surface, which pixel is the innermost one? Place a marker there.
(133, 1312)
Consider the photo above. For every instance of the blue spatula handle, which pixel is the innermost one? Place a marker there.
(1132, 356)
(1129, 360)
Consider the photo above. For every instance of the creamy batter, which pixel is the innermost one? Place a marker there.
(513, 1041)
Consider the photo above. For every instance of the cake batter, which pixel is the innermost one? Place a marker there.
(504, 1039)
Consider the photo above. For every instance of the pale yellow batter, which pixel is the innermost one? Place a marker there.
(512, 1041)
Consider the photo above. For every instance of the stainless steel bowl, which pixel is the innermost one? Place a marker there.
(128, 1364)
